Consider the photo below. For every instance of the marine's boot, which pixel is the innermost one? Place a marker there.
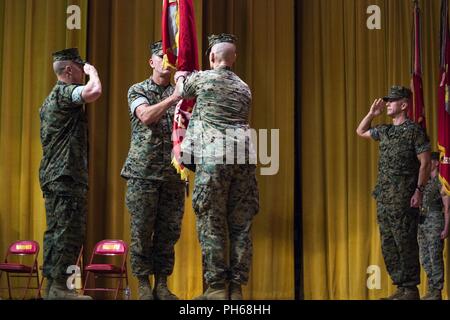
(145, 289)
(409, 293)
(161, 291)
(235, 291)
(433, 294)
(59, 291)
(399, 292)
(47, 288)
(215, 291)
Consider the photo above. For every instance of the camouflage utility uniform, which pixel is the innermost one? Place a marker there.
(398, 171)
(430, 227)
(225, 196)
(63, 176)
(155, 194)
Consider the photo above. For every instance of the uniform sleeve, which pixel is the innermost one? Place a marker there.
(77, 97)
(136, 97)
(377, 132)
(190, 86)
(71, 94)
(422, 143)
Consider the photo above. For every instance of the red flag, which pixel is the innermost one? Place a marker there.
(444, 101)
(180, 49)
(417, 113)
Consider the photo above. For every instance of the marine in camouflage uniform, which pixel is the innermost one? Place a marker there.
(433, 229)
(63, 172)
(155, 193)
(225, 197)
(401, 146)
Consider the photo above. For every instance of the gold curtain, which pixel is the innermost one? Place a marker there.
(30, 30)
(117, 44)
(344, 67)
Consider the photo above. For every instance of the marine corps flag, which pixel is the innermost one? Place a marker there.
(180, 52)
(444, 101)
(417, 113)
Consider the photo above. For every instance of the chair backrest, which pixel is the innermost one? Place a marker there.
(23, 247)
(111, 247)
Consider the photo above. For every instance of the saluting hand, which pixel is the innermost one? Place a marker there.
(89, 69)
(377, 107)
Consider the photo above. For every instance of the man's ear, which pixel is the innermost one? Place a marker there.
(405, 105)
(150, 63)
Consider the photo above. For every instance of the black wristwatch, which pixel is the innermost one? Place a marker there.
(421, 188)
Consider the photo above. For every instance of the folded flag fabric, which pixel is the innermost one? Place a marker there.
(180, 49)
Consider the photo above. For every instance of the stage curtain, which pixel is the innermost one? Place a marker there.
(30, 30)
(344, 67)
(265, 29)
(114, 37)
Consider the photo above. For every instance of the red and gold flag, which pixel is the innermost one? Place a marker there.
(180, 49)
(444, 101)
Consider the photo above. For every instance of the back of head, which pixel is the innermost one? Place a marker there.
(223, 46)
(64, 58)
(225, 52)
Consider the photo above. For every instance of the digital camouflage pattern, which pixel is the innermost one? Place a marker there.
(225, 197)
(63, 137)
(223, 103)
(63, 177)
(155, 193)
(150, 154)
(156, 209)
(70, 54)
(398, 230)
(398, 171)
(430, 227)
(219, 38)
(225, 200)
(66, 227)
(398, 166)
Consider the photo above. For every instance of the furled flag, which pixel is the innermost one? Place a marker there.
(179, 39)
(417, 113)
(444, 101)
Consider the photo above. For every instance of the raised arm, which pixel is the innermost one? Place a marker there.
(376, 109)
(93, 89)
(149, 114)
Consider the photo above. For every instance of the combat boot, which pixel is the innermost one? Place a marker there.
(235, 291)
(216, 291)
(399, 292)
(47, 288)
(59, 291)
(433, 294)
(409, 293)
(145, 290)
(161, 291)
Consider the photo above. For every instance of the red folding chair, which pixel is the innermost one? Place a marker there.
(14, 269)
(117, 271)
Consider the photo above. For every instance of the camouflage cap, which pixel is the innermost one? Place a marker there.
(156, 48)
(219, 38)
(397, 93)
(68, 55)
(435, 156)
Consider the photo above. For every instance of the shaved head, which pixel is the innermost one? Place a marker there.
(59, 66)
(224, 52)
